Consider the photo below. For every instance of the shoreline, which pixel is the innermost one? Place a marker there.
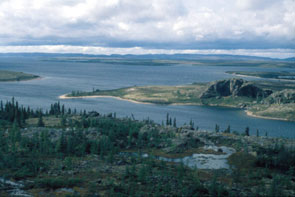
(64, 96)
(257, 77)
(35, 78)
(249, 113)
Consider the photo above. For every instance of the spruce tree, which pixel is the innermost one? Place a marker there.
(216, 128)
(247, 130)
(40, 120)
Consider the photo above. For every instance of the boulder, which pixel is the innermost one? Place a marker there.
(234, 87)
(284, 96)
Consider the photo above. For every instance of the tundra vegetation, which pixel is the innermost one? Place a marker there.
(63, 152)
(269, 75)
(266, 99)
(15, 76)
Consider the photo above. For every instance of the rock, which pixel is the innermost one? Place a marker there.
(83, 163)
(121, 162)
(234, 87)
(68, 190)
(253, 153)
(99, 181)
(249, 90)
(242, 105)
(93, 114)
(284, 96)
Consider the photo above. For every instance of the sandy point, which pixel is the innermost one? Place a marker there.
(249, 113)
(64, 96)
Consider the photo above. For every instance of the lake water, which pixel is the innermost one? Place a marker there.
(62, 77)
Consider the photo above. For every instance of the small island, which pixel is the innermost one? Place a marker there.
(16, 76)
(262, 99)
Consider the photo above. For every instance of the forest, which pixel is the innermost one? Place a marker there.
(90, 154)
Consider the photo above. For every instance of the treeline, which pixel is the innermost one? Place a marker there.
(279, 157)
(11, 112)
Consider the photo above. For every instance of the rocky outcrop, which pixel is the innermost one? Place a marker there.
(234, 87)
(284, 96)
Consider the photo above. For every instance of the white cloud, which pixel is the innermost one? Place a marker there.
(148, 23)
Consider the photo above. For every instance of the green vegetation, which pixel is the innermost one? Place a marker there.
(168, 61)
(269, 75)
(15, 76)
(152, 94)
(65, 153)
(264, 99)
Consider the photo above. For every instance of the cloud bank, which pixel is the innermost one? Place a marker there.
(272, 53)
(157, 24)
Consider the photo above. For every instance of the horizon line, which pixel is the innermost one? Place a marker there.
(275, 53)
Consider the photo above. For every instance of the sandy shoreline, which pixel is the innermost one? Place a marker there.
(249, 76)
(249, 113)
(64, 96)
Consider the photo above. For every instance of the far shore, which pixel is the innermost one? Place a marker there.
(31, 79)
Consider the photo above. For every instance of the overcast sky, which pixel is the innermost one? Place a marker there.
(148, 25)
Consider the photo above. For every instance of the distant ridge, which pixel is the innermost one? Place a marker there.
(290, 59)
(151, 56)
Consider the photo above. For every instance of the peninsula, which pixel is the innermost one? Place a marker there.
(16, 76)
(267, 75)
(262, 99)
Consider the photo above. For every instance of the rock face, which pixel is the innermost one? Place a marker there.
(234, 87)
(284, 96)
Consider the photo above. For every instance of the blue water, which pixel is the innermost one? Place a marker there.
(62, 77)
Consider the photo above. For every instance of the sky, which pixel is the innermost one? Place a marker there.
(257, 27)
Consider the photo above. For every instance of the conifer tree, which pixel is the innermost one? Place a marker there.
(216, 128)
(247, 130)
(40, 120)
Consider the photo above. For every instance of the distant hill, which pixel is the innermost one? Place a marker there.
(151, 56)
(290, 59)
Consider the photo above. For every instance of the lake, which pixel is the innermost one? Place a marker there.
(62, 77)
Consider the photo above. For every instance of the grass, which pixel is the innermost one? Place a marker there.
(242, 161)
(54, 183)
(281, 111)
(201, 61)
(48, 121)
(190, 95)
(153, 94)
(15, 76)
(270, 75)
